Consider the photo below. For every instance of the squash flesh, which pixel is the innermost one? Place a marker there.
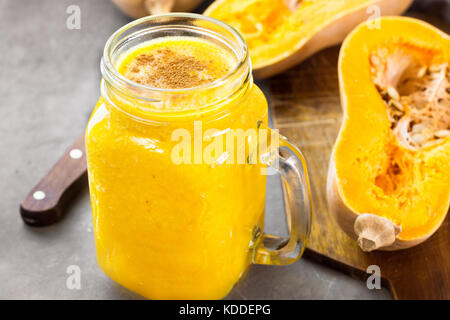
(273, 29)
(374, 172)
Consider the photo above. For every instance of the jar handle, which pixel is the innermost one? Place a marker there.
(291, 166)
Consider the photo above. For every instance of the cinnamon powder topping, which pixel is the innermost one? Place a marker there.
(165, 68)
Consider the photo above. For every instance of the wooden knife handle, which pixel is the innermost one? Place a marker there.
(45, 202)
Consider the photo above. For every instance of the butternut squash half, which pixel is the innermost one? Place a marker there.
(389, 174)
(282, 33)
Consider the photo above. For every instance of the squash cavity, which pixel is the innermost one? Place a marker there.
(415, 86)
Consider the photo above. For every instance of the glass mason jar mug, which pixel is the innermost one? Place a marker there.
(178, 205)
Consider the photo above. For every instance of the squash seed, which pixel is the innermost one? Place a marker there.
(396, 104)
(393, 93)
(442, 134)
(418, 138)
(435, 68)
(418, 128)
(422, 72)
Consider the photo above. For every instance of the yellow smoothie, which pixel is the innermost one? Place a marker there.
(174, 230)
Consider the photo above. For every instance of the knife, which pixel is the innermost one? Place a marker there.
(45, 203)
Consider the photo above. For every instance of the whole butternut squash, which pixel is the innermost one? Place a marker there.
(389, 174)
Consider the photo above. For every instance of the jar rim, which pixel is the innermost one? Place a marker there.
(112, 75)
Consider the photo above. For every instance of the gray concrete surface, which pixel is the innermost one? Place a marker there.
(49, 82)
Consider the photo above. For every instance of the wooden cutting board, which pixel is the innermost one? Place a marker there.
(306, 108)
